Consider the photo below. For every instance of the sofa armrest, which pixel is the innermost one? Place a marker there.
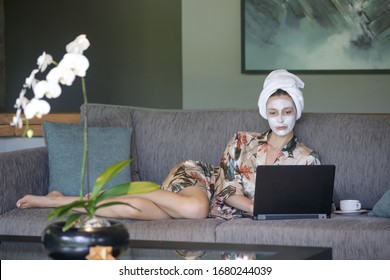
(22, 172)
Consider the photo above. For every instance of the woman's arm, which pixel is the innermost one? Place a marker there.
(241, 202)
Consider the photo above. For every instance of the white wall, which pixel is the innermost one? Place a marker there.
(211, 34)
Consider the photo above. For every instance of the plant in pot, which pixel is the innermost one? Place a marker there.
(82, 234)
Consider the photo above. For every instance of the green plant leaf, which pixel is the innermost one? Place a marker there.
(61, 211)
(106, 176)
(128, 188)
(70, 220)
(116, 203)
(142, 187)
(114, 191)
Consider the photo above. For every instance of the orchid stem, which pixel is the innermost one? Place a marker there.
(85, 153)
(27, 127)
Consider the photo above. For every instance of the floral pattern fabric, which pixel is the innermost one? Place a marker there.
(236, 174)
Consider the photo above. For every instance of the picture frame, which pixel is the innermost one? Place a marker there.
(315, 36)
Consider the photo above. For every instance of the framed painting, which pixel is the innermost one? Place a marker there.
(317, 36)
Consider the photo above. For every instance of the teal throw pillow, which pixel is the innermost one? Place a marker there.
(107, 145)
(382, 207)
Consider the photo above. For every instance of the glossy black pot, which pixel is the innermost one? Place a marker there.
(75, 242)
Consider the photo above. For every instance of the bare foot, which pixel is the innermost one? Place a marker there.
(36, 201)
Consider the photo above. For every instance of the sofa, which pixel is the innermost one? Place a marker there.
(357, 144)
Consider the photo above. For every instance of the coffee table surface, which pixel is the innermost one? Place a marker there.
(30, 247)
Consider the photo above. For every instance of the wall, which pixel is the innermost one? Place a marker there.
(135, 52)
(2, 56)
(212, 78)
(141, 55)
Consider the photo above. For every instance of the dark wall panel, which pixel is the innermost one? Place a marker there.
(135, 52)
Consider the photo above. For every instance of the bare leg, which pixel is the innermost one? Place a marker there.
(191, 202)
(149, 210)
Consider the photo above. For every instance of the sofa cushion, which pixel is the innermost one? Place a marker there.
(382, 207)
(106, 115)
(24, 221)
(65, 149)
(172, 136)
(350, 237)
(358, 145)
(196, 230)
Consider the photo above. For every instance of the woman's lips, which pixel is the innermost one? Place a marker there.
(281, 128)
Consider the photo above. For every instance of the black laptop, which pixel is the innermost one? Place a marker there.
(293, 192)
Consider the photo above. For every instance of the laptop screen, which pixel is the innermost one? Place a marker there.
(294, 190)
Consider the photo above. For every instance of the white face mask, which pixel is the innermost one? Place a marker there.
(281, 114)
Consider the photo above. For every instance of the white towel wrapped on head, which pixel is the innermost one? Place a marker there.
(284, 80)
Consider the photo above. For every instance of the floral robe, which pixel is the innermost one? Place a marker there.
(236, 174)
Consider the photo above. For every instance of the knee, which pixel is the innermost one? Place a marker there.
(196, 209)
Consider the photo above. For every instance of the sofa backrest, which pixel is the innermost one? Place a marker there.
(358, 144)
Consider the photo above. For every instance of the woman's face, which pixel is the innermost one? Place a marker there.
(281, 114)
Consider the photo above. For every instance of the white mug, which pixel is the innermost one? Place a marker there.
(350, 205)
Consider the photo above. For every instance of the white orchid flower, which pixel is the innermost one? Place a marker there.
(17, 120)
(36, 108)
(21, 101)
(73, 64)
(44, 88)
(43, 61)
(61, 74)
(31, 81)
(79, 45)
(78, 63)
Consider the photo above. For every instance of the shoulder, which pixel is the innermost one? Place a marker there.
(305, 152)
(245, 140)
(303, 148)
(248, 138)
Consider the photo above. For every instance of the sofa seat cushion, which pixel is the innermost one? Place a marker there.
(358, 237)
(32, 221)
(24, 221)
(197, 230)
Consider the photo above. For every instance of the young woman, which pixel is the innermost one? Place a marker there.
(196, 189)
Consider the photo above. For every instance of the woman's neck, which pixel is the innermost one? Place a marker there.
(276, 142)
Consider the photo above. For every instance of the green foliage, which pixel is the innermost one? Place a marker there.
(95, 201)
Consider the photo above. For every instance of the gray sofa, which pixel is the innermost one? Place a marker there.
(358, 144)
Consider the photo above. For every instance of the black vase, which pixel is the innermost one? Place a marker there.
(74, 243)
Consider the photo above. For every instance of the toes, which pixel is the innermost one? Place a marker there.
(23, 202)
(21, 205)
